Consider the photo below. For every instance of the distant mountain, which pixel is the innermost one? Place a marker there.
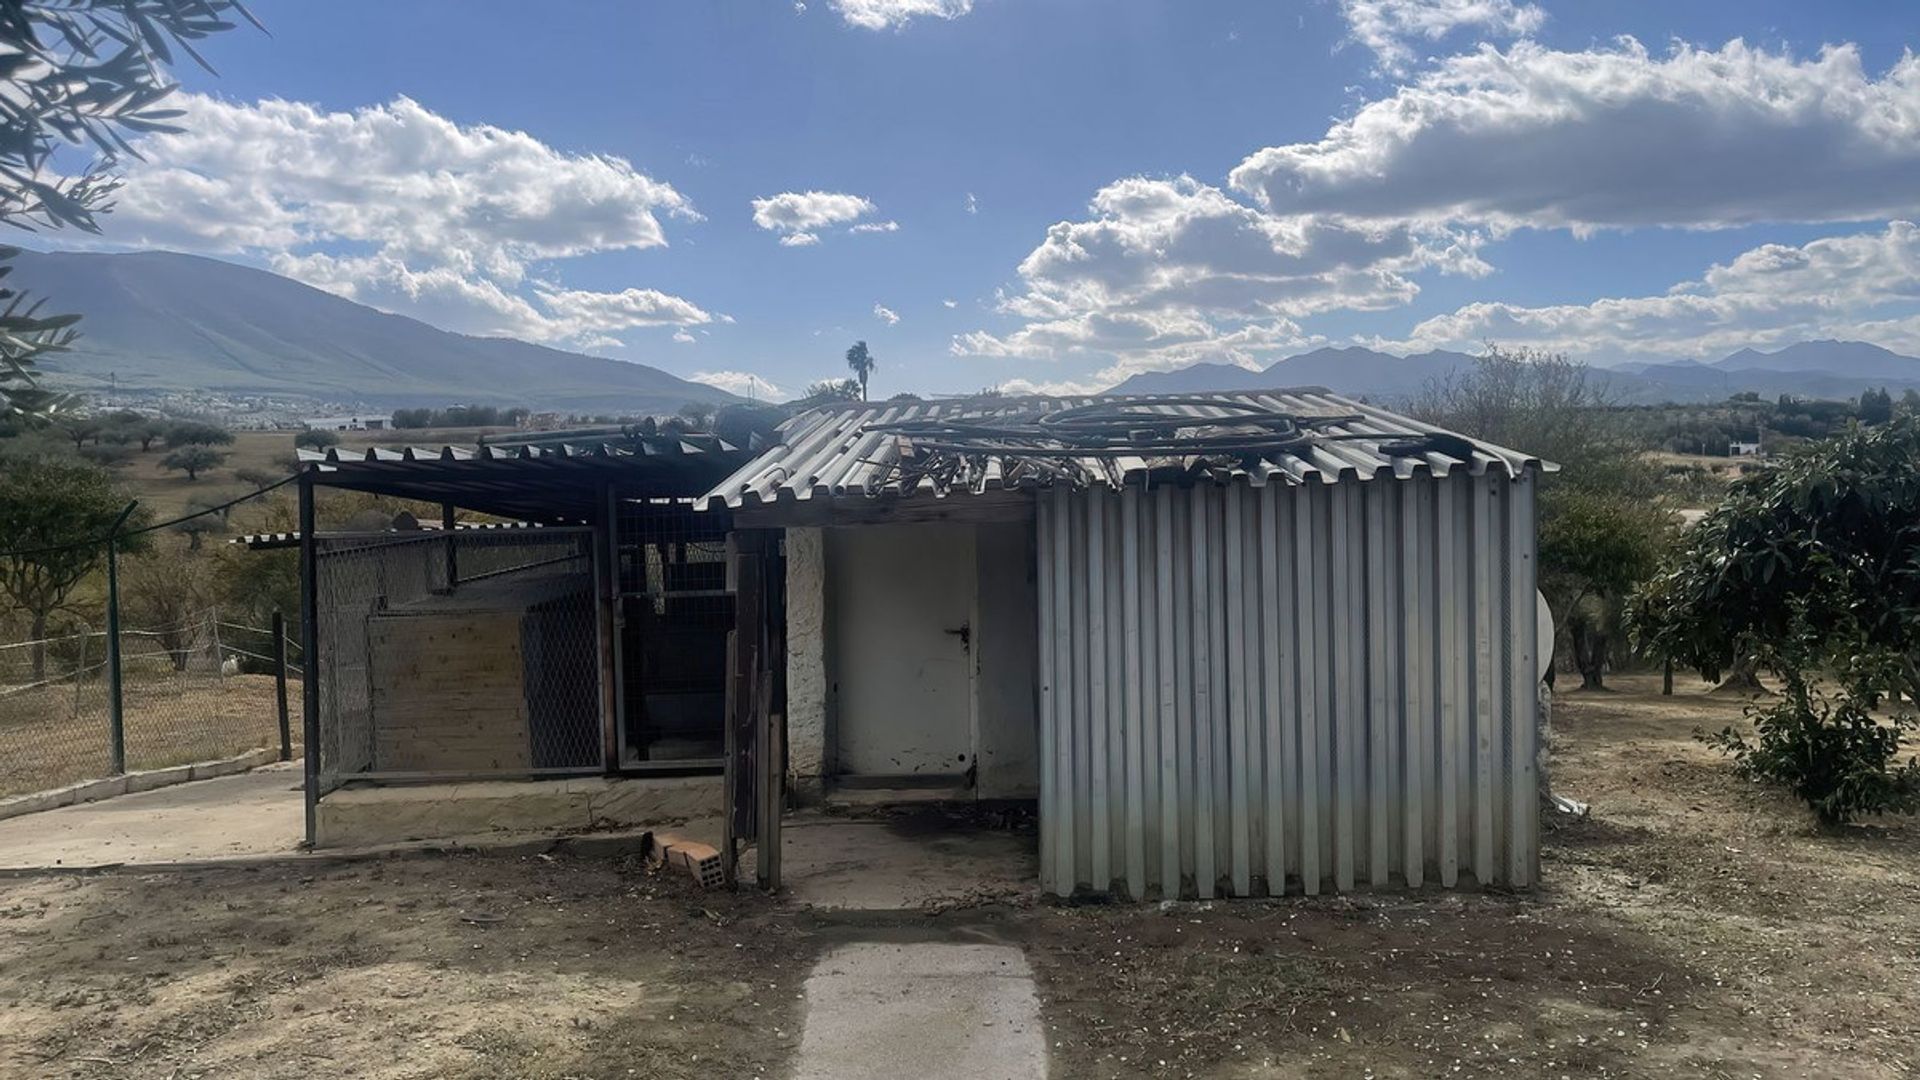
(1849, 359)
(1814, 369)
(1345, 370)
(167, 322)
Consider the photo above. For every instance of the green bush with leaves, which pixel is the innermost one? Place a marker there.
(1830, 751)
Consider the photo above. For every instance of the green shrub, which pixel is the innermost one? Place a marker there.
(1830, 752)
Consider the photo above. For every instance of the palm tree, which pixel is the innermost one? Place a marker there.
(862, 363)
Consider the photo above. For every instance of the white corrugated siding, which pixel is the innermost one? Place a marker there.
(1330, 684)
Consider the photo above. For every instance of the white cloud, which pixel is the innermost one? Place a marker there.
(684, 338)
(1858, 285)
(1385, 26)
(1616, 138)
(885, 315)
(744, 383)
(1170, 272)
(891, 14)
(950, 303)
(399, 207)
(799, 216)
(973, 204)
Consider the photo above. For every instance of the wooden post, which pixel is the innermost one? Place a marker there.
(279, 625)
(1666, 678)
(607, 628)
(309, 655)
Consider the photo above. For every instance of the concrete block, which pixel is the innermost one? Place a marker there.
(366, 817)
(16, 805)
(207, 770)
(653, 800)
(95, 790)
(148, 779)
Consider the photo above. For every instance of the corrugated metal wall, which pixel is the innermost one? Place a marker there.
(1330, 683)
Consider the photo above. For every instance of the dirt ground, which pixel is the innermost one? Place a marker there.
(58, 735)
(1694, 925)
(450, 967)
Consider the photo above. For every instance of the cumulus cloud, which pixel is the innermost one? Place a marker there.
(1616, 137)
(744, 383)
(1169, 272)
(1387, 26)
(885, 314)
(950, 303)
(892, 14)
(799, 216)
(1861, 284)
(399, 207)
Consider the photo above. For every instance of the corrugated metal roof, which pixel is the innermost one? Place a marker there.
(639, 446)
(832, 452)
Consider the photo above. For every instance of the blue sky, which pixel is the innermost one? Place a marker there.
(1081, 179)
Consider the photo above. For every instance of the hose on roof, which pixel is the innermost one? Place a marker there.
(1077, 443)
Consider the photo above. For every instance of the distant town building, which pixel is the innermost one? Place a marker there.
(346, 423)
(1743, 449)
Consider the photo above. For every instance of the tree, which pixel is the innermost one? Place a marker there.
(698, 415)
(165, 593)
(316, 439)
(829, 391)
(196, 433)
(1876, 406)
(193, 460)
(83, 429)
(1814, 562)
(85, 73)
(195, 529)
(861, 363)
(1594, 549)
(53, 516)
(1599, 523)
(257, 478)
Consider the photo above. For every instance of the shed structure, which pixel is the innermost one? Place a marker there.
(1236, 644)
(562, 672)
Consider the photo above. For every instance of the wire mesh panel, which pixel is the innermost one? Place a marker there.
(473, 653)
(676, 613)
(189, 692)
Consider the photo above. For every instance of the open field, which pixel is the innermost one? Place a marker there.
(57, 735)
(1694, 925)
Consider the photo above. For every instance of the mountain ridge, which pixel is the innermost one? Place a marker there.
(163, 321)
(1805, 369)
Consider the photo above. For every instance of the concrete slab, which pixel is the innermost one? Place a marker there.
(908, 861)
(253, 814)
(373, 816)
(930, 1011)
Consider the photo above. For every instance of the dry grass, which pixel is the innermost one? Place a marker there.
(59, 735)
(457, 968)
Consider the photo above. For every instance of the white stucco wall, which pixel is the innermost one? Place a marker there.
(809, 759)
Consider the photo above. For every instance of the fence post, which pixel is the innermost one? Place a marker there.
(116, 716)
(449, 521)
(309, 655)
(280, 684)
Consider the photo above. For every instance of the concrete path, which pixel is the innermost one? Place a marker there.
(928, 1011)
(252, 814)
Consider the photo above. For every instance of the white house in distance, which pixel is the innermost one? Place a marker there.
(347, 423)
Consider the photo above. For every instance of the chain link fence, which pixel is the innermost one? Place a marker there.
(196, 690)
(470, 654)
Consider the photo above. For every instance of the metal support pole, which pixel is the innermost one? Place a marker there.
(309, 654)
(280, 684)
(447, 525)
(116, 713)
